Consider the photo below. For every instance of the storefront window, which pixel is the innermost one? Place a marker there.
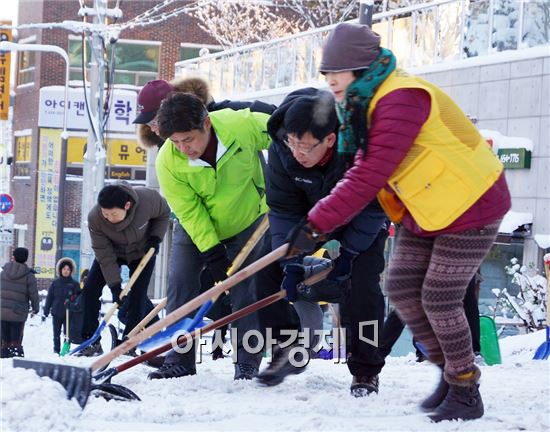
(494, 275)
(22, 166)
(136, 63)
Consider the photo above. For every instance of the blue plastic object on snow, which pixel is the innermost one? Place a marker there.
(183, 325)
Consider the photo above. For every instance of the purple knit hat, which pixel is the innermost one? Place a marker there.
(349, 47)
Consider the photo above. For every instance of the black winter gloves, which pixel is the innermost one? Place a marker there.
(303, 239)
(294, 275)
(153, 242)
(217, 262)
(343, 266)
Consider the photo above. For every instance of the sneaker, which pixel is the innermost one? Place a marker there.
(171, 370)
(281, 366)
(244, 371)
(91, 351)
(364, 385)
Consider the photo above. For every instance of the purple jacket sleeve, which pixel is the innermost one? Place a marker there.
(395, 123)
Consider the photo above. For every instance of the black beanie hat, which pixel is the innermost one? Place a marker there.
(21, 254)
(350, 47)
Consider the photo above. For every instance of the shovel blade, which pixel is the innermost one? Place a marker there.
(65, 349)
(113, 391)
(77, 381)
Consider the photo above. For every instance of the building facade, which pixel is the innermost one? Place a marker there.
(142, 53)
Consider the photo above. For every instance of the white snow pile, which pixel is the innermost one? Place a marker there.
(506, 142)
(512, 220)
(515, 395)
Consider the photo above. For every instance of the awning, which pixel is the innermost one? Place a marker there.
(513, 220)
(543, 240)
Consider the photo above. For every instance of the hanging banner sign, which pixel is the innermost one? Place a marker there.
(52, 103)
(5, 62)
(49, 155)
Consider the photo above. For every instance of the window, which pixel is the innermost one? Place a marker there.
(23, 146)
(26, 64)
(136, 62)
(190, 51)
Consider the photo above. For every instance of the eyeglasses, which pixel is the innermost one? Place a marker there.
(301, 147)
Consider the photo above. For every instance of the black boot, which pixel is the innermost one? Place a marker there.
(171, 370)
(17, 351)
(463, 402)
(244, 371)
(439, 394)
(6, 353)
(281, 366)
(93, 350)
(364, 385)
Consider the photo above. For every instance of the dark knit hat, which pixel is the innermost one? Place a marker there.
(150, 98)
(21, 254)
(349, 47)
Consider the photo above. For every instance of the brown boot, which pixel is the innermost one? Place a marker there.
(463, 401)
(439, 394)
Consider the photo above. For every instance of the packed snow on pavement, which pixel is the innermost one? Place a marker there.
(515, 395)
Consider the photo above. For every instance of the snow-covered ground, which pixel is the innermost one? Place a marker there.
(516, 397)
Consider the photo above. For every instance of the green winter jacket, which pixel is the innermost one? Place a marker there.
(216, 204)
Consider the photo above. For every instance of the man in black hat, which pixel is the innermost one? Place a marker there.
(17, 289)
(303, 167)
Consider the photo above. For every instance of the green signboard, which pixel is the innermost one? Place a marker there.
(515, 158)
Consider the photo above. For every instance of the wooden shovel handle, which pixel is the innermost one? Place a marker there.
(191, 306)
(249, 245)
(141, 325)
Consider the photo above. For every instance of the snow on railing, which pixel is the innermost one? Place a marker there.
(419, 35)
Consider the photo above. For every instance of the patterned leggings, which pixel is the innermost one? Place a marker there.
(427, 282)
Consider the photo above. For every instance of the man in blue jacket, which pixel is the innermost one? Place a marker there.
(303, 166)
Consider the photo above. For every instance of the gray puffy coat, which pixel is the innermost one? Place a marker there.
(17, 289)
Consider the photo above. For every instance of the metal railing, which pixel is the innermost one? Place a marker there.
(420, 35)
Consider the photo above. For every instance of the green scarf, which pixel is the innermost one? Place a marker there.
(352, 113)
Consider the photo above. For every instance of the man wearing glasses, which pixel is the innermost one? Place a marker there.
(303, 166)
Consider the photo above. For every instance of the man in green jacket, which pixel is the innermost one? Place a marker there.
(210, 173)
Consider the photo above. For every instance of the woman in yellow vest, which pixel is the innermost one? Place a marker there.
(409, 145)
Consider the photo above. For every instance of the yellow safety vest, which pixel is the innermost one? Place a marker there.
(448, 168)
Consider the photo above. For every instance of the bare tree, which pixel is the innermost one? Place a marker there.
(319, 13)
(239, 23)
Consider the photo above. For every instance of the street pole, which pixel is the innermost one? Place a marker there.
(94, 157)
(366, 8)
(13, 46)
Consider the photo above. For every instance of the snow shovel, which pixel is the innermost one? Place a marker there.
(543, 351)
(78, 380)
(488, 340)
(188, 324)
(114, 308)
(67, 344)
(111, 372)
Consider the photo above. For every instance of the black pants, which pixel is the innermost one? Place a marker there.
(393, 326)
(12, 332)
(138, 304)
(365, 303)
(57, 323)
(362, 313)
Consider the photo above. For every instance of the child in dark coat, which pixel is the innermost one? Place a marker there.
(60, 291)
